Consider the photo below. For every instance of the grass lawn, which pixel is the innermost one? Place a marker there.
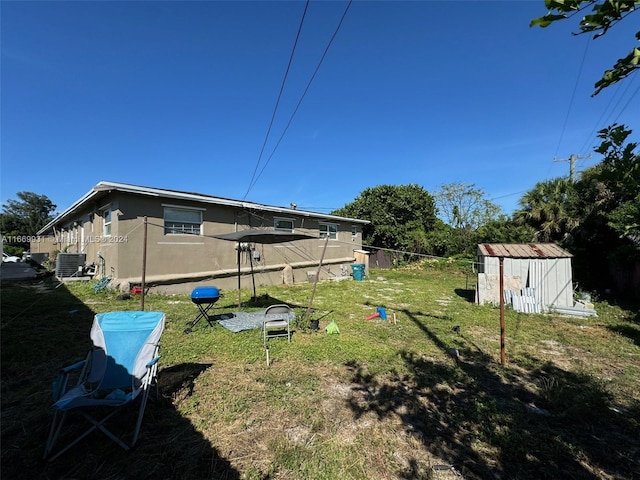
(379, 400)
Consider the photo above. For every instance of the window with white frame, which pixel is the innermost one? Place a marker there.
(106, 222)
(354, 232)
(328, 230)
(182, 221)
(283, 224)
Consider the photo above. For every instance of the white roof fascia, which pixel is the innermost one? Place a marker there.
(156, 192)
(217, 201)
(86, 197)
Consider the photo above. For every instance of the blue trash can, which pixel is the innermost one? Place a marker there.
(358, 271)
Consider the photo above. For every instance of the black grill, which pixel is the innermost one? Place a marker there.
(202, 295)
(204, 298)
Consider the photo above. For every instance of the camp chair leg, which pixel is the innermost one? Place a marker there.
(94, 426)
(99, 426)
(68, 446)
(56, 428)
(150, 380)
(143, 400)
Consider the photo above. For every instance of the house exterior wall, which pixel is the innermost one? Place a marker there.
(176, 263)
(82, 233)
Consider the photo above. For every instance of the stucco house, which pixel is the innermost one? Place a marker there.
(112, 225)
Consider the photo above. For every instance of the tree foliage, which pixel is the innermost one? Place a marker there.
(504, 230)
(598, 217)
(604, 15)
(400, 216)
(604, 245)
(23, 218)
(464, 206)
(549, 209)
(610, 190)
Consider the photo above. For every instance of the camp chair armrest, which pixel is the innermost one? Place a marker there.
(62, 380)
(71, 368)
(152, 362)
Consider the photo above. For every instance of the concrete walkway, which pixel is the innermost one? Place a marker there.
(17, 271)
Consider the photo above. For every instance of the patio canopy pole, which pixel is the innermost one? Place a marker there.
(313, 291)
(144, 263)
(253, 278)
(263, 236)
(238, 275)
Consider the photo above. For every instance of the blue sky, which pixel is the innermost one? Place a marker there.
(180, 95)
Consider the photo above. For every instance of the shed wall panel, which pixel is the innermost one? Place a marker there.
(551, 277)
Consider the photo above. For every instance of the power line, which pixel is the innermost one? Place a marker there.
(507, 195)
(275, 109)
(573, 94)
(627, 104)
(600, 122)
(295, 111)
(607, 121)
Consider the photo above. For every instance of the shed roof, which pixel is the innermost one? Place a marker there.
(522, 250)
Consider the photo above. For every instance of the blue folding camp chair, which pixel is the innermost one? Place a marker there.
(120, 369)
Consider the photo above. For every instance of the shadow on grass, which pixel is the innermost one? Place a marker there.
(223, 311)
(45, 327)
(632, 332)
(263, 301)
(490, 421)
(630, 304)
(468, 294)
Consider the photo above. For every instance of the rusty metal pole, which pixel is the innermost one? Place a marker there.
(502, 353)
(144, 263)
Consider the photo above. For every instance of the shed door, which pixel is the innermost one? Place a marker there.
(536, 280)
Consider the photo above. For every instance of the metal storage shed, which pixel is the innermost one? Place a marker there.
(537, 272)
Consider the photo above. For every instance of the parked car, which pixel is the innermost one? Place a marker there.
(9, 258)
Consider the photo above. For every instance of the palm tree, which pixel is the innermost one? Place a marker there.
(550, 209)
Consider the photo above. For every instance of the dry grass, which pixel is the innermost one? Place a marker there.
(379, 400)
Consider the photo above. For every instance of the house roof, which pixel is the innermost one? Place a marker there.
(103, 188)
(522, 250)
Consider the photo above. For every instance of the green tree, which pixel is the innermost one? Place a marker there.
(441, 240)
(549, 208)
(400, 216)
(606, 215)
(465, 208)
(611, 188)
(620, 173)
(463, 205)
(604, 15)
(23, 218)
(504, 230)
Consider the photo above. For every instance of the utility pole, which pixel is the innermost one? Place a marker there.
(572, 164)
